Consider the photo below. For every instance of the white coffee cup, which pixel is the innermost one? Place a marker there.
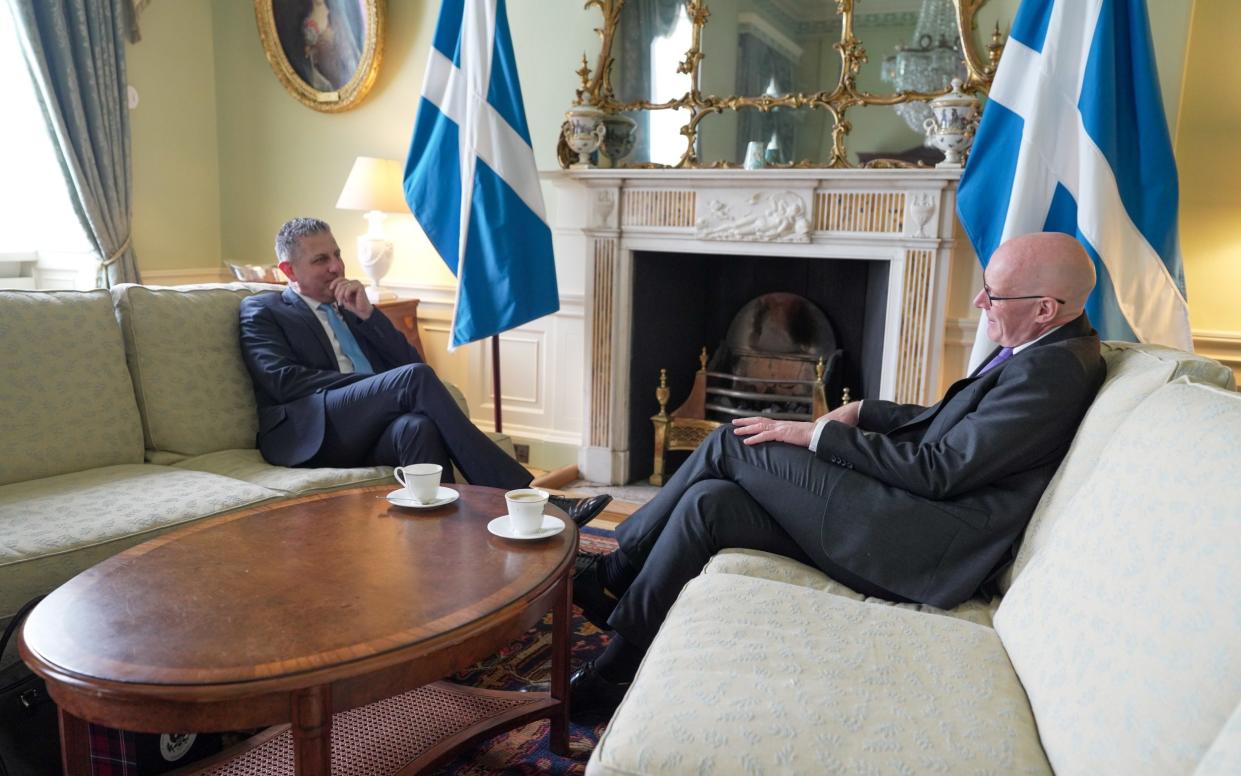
(525, 510)
(421, 480)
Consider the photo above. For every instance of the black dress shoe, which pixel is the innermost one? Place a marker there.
(588, 594)
(591, 695)
(581, 510)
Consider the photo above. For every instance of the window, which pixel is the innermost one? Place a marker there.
(41, 242)
(667, 144)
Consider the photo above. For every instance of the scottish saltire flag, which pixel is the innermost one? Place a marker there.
(470, 178)
(1074, 140)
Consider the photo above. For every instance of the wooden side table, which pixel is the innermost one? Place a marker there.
(404, 315)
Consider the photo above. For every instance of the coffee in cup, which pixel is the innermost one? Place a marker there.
(421, 480)
(525, 510)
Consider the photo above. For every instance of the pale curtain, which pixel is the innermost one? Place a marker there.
(76, 53)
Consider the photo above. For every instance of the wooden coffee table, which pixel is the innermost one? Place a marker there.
(290, 612)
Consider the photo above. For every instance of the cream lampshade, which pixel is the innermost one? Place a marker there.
(374, 186)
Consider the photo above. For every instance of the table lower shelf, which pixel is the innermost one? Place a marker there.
(404, 734)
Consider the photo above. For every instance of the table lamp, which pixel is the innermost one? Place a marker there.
(374, 186)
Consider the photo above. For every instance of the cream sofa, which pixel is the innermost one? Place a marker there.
(125, 414)
(1116, 647)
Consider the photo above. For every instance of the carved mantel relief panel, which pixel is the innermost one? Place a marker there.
(764, 216)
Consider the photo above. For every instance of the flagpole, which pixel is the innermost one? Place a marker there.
(495, 378)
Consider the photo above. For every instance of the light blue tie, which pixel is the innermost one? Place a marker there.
(348, 344)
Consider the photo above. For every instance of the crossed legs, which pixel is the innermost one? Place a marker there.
(771, 497)
(404, 416)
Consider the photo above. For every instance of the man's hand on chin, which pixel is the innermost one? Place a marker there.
(351, 295)
(756, 430)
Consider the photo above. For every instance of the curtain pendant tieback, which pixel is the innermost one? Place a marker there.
(118, 253)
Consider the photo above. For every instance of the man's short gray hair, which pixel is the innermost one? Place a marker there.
(293, 230)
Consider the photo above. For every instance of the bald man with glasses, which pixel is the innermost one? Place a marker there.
(899, 501)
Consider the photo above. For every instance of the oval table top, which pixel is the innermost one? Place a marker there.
(289, 589)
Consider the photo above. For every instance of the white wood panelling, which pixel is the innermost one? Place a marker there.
(184, 277)
(1223, 346)
(541, 378)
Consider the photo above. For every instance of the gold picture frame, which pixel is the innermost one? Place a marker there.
(326, 53)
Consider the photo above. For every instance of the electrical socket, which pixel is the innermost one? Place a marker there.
(523, 453)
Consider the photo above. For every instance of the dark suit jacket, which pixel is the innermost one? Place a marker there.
(932, 499)
(292, 364)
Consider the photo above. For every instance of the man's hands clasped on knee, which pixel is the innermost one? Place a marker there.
(793, 432)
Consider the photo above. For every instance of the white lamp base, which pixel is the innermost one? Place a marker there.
(375, 256)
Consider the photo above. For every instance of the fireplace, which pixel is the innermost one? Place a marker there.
(683, 302)
(871, 248)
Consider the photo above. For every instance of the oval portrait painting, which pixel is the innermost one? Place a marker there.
(325, 52)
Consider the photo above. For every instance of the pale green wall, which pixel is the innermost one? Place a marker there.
(279, 159)
(176, 168)
(1209, 160)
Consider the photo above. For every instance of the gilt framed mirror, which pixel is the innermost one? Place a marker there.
(326, 53)
(811, 83)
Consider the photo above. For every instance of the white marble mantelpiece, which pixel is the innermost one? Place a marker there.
(901, 217)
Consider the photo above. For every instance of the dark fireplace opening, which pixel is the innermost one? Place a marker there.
(684, 301)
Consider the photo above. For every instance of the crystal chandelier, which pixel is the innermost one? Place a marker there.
(929, 63)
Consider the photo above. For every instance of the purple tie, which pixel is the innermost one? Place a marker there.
(1000, 358)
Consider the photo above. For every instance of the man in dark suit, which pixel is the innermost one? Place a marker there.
(899, 501)
(337, 384)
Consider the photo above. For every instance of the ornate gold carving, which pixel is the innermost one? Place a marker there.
(597, 90)
(349, 95)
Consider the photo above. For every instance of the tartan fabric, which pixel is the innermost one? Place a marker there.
(112, 752)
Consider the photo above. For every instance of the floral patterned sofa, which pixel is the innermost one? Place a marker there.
(1114, 648)
(125, 414)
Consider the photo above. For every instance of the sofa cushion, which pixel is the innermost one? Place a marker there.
(1126, 626)
(1133, 373)
(765, 565)
(753, 676)
(55, 527)
(67, 402)
(183, 351)
(249, 466)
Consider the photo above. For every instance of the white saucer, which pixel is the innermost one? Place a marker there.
(442, 496)
(500, 527)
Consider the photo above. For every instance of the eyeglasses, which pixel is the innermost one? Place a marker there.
(993, 299)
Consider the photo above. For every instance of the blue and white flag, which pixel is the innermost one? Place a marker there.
(470, 178)
(1074, 140)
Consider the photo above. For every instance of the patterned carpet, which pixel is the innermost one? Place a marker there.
(526, 663)
(637, 492)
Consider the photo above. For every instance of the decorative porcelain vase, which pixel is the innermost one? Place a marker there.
(584, 133)
(620, 134)
(952, 128)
